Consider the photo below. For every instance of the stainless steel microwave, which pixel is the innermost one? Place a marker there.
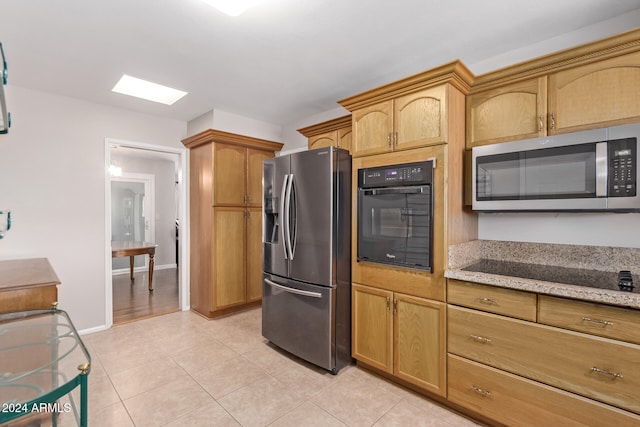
(595, 170)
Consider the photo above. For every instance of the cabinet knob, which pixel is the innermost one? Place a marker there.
(389, 139)
(541, 124)
(553, 121)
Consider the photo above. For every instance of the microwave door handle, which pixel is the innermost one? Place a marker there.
(287, 210)
(602, 169)
(284, 218)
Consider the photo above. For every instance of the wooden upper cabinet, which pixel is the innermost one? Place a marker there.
(372, 127)
(419, 119)
(600, 94)
(238, 175)
(332, 133)
(515, 111)
(345, 138)
(254, 175)
(410, 113)
(230, 174)
(328, 139)
(587, 87)
(411, 121)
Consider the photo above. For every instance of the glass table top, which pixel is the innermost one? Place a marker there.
(40, 353)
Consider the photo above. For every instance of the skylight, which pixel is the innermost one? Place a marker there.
(232, 7)
(147, 90)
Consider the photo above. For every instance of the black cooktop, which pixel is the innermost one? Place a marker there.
(549, 273)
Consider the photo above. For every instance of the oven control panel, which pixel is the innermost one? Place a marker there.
(417, 173)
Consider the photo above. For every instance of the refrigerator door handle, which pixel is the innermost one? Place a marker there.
(285, 216)
(294, 212)
(293, 291)
(287, 220)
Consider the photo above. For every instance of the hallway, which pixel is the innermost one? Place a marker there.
(133, 301)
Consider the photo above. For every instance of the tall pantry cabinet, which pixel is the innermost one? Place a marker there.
(226, 220)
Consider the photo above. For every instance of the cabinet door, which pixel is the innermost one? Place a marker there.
(420, 350)
(595, 95)
(230, 176)
(229, 256)
(510, 112)
(254, 175)
(420, 119)
(372, 327)
(372, 129)
(345, 137)
(328, 139)
(254, 254)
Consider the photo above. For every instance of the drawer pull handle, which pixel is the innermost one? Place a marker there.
(480, 339)
(480, 391)
(605, 372)
(602, 322)
(487, 300)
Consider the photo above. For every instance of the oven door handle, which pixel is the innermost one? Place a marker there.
(395, 190)
(293, 290)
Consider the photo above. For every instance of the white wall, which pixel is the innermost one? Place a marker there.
(52, 176)
(233, 123)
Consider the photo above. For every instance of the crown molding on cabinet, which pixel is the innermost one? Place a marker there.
(328, 126)
(230, 138)
(599, 50)
(455, 73)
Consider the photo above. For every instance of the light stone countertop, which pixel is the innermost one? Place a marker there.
(571, 256)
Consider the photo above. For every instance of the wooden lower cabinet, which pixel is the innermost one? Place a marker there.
(254, 254)
(229, 262)
(575, 363)
(515, 401)
(401, 335)
(595, 367)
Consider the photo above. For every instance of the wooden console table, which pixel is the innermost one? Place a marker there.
(131, 249)
(27, 284)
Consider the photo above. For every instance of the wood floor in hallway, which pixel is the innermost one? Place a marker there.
(133, 301)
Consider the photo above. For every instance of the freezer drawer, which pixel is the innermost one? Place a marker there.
(299, 318)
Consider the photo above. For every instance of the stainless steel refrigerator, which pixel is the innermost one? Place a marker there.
(306, 286)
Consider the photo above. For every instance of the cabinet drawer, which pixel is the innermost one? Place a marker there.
(492, 299)
(514, 400)
(598, 368)
(597, 319)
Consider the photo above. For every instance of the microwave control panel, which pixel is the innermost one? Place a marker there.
(417, 173)
(622, 167)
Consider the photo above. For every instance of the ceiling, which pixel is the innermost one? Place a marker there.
(281, 61)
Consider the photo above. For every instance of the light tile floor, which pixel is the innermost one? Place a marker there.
(182, 370)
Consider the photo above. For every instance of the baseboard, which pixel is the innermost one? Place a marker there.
(143, 269)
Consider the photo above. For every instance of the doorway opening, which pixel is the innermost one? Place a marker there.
(145, 202)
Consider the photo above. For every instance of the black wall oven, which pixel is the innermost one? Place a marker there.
(395, 215)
